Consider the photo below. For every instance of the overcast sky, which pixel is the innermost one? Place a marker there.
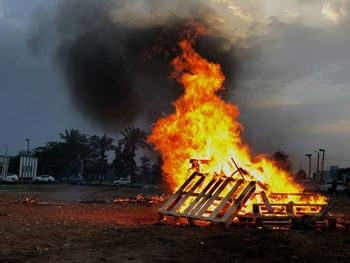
(33, 101)
(293, 94)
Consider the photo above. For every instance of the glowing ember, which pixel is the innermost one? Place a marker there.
(205, 127)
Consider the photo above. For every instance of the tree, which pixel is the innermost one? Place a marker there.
(283, 161)
(99, 146)
(76, 149)
(133, 139)
(52, 159)
(118, 163)
(156, 171)
(14, 164)
(145, 168)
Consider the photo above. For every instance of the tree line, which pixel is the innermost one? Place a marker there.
(86, 155)
(78, 153)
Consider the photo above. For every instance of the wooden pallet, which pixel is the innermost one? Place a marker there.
(219, 199)
(287, 215)
(195, 199)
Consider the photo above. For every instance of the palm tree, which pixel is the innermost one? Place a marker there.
(133, 139)
(102, 145)
(76, 149)
(73, 136)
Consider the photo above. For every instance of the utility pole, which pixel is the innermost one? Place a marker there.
(27, 140)
(318, 163)
(322, 163)
(309, 155)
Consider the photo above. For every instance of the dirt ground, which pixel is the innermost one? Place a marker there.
(80, 224)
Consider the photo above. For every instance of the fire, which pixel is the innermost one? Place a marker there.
(205, 127)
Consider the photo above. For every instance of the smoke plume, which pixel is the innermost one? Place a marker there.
(115, 55)
(292, 69)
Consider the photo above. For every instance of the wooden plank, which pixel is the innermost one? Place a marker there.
(238, 169)
(256, 210)
(257, 215)
(237, 205)
(266, 202)
(294, 204)
(277, 218)
(196, 194)
(277, 223)
(292, 194)
(177, 194)
(213, 198)
(186, 196)
(263, 186)
(198, 197)
(205, 198)
(225, 199)
(290, 209)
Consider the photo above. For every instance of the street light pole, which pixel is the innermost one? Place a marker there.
(322, 163)
(318, 162)
(309, 155)
(27, 140)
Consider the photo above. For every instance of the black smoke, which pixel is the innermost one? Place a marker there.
(118, 72)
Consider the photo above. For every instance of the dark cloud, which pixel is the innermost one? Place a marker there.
(117, 70)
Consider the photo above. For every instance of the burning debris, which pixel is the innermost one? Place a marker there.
(141, 199)
(30, 200)
(218, 191)
(223, 199)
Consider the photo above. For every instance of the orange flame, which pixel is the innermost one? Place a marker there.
(205, 127)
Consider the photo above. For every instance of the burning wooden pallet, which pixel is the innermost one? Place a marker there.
(220, 199)
(188, 203)
(292, 215)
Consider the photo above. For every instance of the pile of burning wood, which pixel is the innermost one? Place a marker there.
(205, 126)
(243, 200)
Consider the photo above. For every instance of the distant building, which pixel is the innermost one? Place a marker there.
(343, 174)
(333, 171)
(28, 167)
(326, 177)
(4, 166)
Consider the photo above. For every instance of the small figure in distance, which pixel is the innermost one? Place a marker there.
(334, 187)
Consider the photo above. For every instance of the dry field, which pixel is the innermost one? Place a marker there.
(80, 224)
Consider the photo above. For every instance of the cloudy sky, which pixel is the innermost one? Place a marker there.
(293, 88)
(33, 101)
